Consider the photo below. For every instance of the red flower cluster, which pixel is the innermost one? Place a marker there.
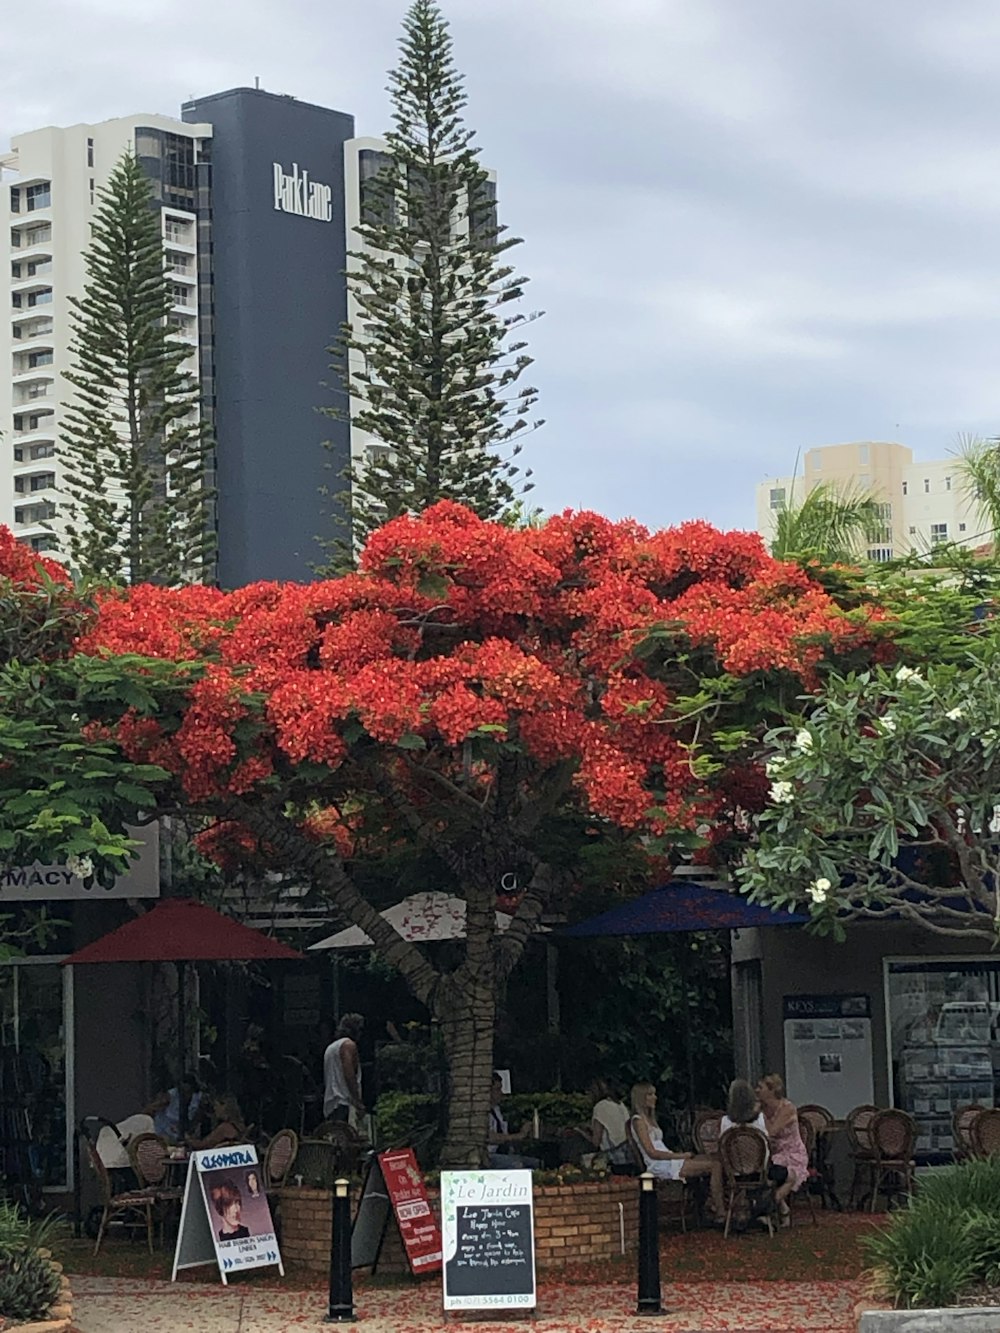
(23, 566)
(574, 641)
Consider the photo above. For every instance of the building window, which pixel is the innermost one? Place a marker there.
(91, 189)
(36, 359)
(46, 542)
(36, 513)
(880, 554)
(90, 156)
(40, 298)
(939, 533)
(913, 532)
(906, 488)
(38, 196)
(179, 294)
(927, 485)
(778, 497)
(961, 527)
(15, 199)
(378, 201)
(942, 1043)
(947, 483)
(41, 451)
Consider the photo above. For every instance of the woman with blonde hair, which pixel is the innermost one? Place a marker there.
(787, 1149)
(659, 1160)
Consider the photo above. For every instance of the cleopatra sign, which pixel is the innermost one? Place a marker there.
(295, 192)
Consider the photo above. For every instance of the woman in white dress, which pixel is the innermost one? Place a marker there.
(659, 1160)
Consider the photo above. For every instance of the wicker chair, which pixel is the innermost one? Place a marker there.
(859, 1124)
(821, 1179)
(961, 1127)
(893, 1135)
(149, 1155)
(985, 1133)
(136, 1205)
(279, 1158)
(705, 1132)
(744, 1156)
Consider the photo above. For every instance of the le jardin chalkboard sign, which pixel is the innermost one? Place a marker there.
(488, 1233)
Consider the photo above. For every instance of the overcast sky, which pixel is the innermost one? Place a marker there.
(754, 225)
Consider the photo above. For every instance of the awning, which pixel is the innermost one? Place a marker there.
(682, 906)
(182, 930)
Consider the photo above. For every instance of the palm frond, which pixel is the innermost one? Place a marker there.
(830, 525)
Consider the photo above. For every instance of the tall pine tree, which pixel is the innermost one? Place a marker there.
(432, 359)
(133, 445)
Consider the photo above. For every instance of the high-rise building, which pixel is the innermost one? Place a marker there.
(923, 504)
(250, 190)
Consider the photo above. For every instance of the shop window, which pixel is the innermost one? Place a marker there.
(34, 1019)
(944, 1048)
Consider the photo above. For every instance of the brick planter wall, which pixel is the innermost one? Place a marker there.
(572, 1222)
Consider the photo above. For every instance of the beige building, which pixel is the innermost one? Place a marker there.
(925, 503)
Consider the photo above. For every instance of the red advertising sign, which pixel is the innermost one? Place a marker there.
(417, 1224)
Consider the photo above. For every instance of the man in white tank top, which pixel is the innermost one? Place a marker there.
(342, 1071)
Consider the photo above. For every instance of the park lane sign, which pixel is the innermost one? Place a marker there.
(295, 192)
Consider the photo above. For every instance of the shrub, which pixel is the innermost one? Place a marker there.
(28, 1282)
(947, 1242)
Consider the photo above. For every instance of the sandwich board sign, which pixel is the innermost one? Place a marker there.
(417, 1224)
(487, 1225)
(394, 1188)
(225, 1216)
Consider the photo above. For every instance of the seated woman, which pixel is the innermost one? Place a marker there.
(228, 1126)
(781, 1118)
(742, 1108)
(500, 1137)
(659, 1160)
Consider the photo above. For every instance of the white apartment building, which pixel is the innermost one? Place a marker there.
(924, 503)
(51, 183)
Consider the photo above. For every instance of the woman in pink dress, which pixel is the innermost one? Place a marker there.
(787, 1149)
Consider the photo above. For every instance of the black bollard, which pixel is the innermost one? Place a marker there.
(649, 1249)
(341, 1291)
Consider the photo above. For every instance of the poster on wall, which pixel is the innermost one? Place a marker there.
(487, 1226)
(225, 1216)
(828, 1050)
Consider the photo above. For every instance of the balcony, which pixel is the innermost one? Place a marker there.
(41, 423)
(37, 295)
(28, 273)
(25, 328)
(26, 235)
(33, 391)
(30, 483)
(31, 515)
(181, 266)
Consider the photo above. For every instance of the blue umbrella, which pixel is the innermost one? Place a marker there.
(682, 905)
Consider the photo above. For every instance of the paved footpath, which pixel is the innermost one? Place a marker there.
(121, 1305)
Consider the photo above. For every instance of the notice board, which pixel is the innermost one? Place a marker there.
(225, 1216)
(828, 1051)
(417, 1224)
(488, 1234)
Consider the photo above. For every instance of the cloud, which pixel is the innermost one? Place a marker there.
(753, 227)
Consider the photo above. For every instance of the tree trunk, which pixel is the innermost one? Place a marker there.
(467, 1013)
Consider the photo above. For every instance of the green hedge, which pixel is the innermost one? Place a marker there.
(947, 1243)
(402, 1116)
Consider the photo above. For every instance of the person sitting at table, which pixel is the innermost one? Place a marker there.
(228, 1125)
(113, 1140)
(609, 1124)
(228, 1203)
(742, 1108)
(659, 1159)
(787, 1149)
(171, 1124)
(499, 1135)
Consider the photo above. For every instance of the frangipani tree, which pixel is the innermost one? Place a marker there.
(469, 687)
(885, 802)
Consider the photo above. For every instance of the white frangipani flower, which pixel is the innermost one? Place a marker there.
(908, 673)
(804, 740)
(775, 766)
(887, 723)
(953, 714)
(80, 866)
(782, 793)
(818, 889)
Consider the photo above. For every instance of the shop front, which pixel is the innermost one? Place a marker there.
(70, 1044)
(892, 1016)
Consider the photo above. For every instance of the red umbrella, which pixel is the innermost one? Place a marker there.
(182, 930)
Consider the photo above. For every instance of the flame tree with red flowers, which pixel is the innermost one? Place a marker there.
(466, 687)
